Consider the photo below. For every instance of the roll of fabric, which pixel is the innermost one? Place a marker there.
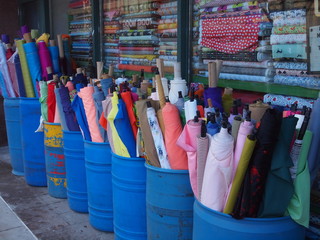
(127, 98)
(120, 147)
(235, 129)
(123, 127)
(215, 95)
(279, 186)
(218, 171)
(251, 78)
(136, 68)
(287, 101)
(245, 129)
(246, 154)
(77, 106)
(306, 81)
(98, 97)
(250, 197)
(59, 110)
(190, 109)
(213, 128)
(151, 152)
(51, 101)
(227, 101)
(22, 89)
(175, 87)
(67, 54)
(13, 73)
(43, 100)
(45, 58)
(171, 118)
(299, 206)
(54, 54)
(107, 106)
(88, 102)
(314, 152)
(70, 86)
(33, 61)
(105, 85)
(257, 110)
(188, 141)
(158, 138)
(265, 72)
(202, 153)
(7, 88)
(69, 116)
(295, 51)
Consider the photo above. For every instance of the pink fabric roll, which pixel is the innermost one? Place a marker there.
(188, 141)
(171, 118)
(57, 115)
(86, 95)
(70, 86)
(218, 172)
(245, 129)
(13, 74)
(45, 58)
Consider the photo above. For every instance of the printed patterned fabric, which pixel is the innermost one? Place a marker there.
(240, 56)
(290, 29)
(240, 77)
(231, 35)
(307, 82)
(288, 38)
(265, 64)
(288, 14)
(266, 72)
(289, 72)
(296, 51)
(287, 101)
(291, 65)
(207, 14)
(223, 3)
(127, 33)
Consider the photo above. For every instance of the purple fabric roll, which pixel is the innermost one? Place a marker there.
(45, 58)
(69, 114)
(5, 38)
(24, 29)
(216, 97)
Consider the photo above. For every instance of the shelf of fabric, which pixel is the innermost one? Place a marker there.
(263, 87)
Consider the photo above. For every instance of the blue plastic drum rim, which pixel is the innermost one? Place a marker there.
(127, 158)
(164, 170)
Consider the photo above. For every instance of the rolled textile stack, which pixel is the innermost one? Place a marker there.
(289, 42)
(237, 33)
(138, 38)
(80, 29)
(111, 36)
(167, 30)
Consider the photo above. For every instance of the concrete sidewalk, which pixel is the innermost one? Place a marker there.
(11, 226)
(47, 217)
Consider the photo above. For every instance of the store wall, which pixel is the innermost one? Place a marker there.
(59, 17)
(9, 18)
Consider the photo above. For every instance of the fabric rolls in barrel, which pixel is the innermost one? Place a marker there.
(45, 58)
(54, 54)
(240, 174)
(13, 73)
(188, 141)
(60, 110)
(7, 88)
(22, 90)
(171, 118)
(43, 100)
(279, 186)
(127, 98)
(86, 95)
(33, 61)
(299, 206)
(51, 102)
(98, 97)
(202, 153)
(150, 149)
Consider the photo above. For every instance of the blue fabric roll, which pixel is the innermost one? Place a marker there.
(60, 110)
(22, 90)
(105, 85)
(66, 49)
(78, 108)
(34, 65)
(54, 53)
(213, 128)
(314, 152)
(98, 97)
(123, 127)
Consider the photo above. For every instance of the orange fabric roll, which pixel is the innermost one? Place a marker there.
(136, 68)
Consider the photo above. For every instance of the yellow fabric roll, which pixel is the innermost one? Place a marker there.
(227, 102)
(239, 176)
(149, 57)
(25, 70)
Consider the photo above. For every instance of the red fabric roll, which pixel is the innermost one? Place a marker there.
(127, 98)
(137, 68)
(51, 102)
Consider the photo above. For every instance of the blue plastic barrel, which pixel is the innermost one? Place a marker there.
(169, 204)
(55, 161)
(220, 226)
(129, 198)
(98, 169)
(76, 171)
(12, 118)
(32, 143)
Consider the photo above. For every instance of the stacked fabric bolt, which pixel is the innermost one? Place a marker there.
(138, 38)
(80, 29)
(289, 42)
(237, 33)
(275, 6)
(111, 38)
(167, 30)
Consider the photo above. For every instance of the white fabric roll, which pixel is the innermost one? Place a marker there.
(190, 109)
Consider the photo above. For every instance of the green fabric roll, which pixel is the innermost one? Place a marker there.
(34, 33)
(25, 70)
(239, 176)
(235, 129)
(299, 206)
(227, 102)
(279, 186)
(43, 100)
